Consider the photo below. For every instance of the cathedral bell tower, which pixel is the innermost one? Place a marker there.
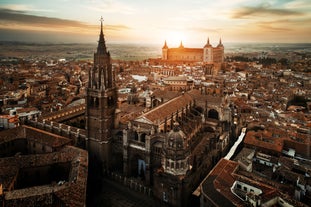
(101, 104)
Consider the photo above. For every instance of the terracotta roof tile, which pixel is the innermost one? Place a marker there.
(158, 114)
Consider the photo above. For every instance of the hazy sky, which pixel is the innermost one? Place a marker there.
(154, 21)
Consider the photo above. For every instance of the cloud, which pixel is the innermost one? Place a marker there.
(205, 30)
(286, 25)
(21, 20)
(24, 8)
(21, 17)
(298, 4)
(272, 28)
(110, 6)
(263, 10)
(118, 27)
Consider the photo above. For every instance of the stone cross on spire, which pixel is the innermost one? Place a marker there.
(101, 22)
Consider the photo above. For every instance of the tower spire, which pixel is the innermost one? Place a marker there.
(101, 25)
(181, 45)
(165, 45)
(220, 43)
(207, 43)
(101, 48)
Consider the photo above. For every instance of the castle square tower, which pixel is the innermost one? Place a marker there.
(164, 51)
(101, 101)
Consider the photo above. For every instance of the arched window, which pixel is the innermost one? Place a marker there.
(110, 101)
(143, 138)
(213, 114)
(96, 102)
(136, 136)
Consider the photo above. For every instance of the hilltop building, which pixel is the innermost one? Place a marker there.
(208, 54)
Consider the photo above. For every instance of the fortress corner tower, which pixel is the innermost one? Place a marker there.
(101, 101)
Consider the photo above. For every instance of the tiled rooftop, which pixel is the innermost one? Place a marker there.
(158, 114)
(71, 193)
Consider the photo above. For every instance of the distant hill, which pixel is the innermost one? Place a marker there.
(79, 51)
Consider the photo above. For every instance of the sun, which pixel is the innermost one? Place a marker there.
(173, 38)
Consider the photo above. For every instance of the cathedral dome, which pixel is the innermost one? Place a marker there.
(176, 138)
(176, 153)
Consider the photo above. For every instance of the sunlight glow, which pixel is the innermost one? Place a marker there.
(139, 21)
(173, 38)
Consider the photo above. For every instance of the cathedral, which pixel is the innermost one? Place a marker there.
(164, 151)
(208, 54)
(169, 148)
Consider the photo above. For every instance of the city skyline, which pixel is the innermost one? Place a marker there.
(154, 22)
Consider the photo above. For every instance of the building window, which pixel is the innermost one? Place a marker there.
(136, 136)
(143, 138)
(110, 101)
(165, 197)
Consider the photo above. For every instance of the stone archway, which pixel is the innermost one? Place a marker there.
(138, 167)
(209, 129)
(213, 114)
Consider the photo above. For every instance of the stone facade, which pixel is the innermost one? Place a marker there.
(100, 105)
(208, 54)
(154, 150)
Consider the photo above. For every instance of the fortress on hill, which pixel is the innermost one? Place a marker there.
(208, 54)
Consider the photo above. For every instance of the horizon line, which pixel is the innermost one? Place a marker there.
(137, 43)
